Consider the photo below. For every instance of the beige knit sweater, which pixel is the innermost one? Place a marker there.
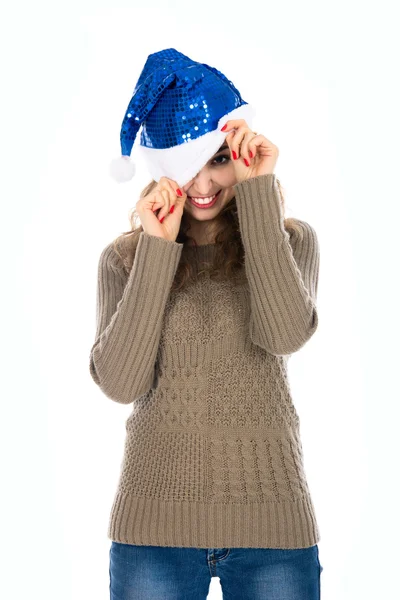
(212, 456)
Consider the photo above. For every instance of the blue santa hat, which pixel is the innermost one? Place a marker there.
(182, 106)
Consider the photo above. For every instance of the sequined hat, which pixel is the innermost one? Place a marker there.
(181, 105)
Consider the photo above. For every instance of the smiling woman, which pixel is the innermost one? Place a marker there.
(197, 316)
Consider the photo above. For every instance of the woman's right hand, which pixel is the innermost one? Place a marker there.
(162, 198)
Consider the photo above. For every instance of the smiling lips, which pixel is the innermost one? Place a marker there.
(204, 202)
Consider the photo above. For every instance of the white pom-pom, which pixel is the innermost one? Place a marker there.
(122, 169)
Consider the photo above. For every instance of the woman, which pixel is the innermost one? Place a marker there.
(198, 310)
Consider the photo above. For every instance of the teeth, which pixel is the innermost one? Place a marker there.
(204, 200)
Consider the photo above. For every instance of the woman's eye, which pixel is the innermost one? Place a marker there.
(222, 156)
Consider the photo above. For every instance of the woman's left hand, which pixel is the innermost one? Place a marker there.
(245, 145)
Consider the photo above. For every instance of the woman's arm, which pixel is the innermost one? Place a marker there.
(282, 269)
(130, 310)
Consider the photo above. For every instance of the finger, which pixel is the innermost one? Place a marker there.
(247, 149)
(173, 186)
(174, 189)
(158, 201)
(174, 197)
(233, 123)
(165, 208)
(235, 139)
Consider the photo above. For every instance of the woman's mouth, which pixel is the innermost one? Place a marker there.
(204, 202)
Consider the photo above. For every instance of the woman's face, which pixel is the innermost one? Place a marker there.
(218, 175)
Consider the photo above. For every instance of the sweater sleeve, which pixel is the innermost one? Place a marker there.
(282, 269)
(130, 311)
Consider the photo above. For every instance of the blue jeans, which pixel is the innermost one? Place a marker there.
(169, 573)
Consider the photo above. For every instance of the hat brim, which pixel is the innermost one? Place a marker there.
(181, 163)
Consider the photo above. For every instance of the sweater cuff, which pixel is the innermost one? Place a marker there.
(260, 207)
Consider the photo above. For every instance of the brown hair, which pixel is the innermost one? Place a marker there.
(229, 255)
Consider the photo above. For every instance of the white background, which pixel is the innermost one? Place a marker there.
(324, 80)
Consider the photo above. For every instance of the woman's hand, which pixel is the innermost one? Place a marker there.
(245, 145)
(169, 199)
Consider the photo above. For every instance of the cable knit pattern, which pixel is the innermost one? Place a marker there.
(212, 455)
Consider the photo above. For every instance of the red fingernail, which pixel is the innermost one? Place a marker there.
(172, 208)
(161, 220)
(246, 162)
(224, 127)
(250, 154)
(234, 155)
(178, 191)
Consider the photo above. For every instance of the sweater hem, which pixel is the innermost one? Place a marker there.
(152, 522)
